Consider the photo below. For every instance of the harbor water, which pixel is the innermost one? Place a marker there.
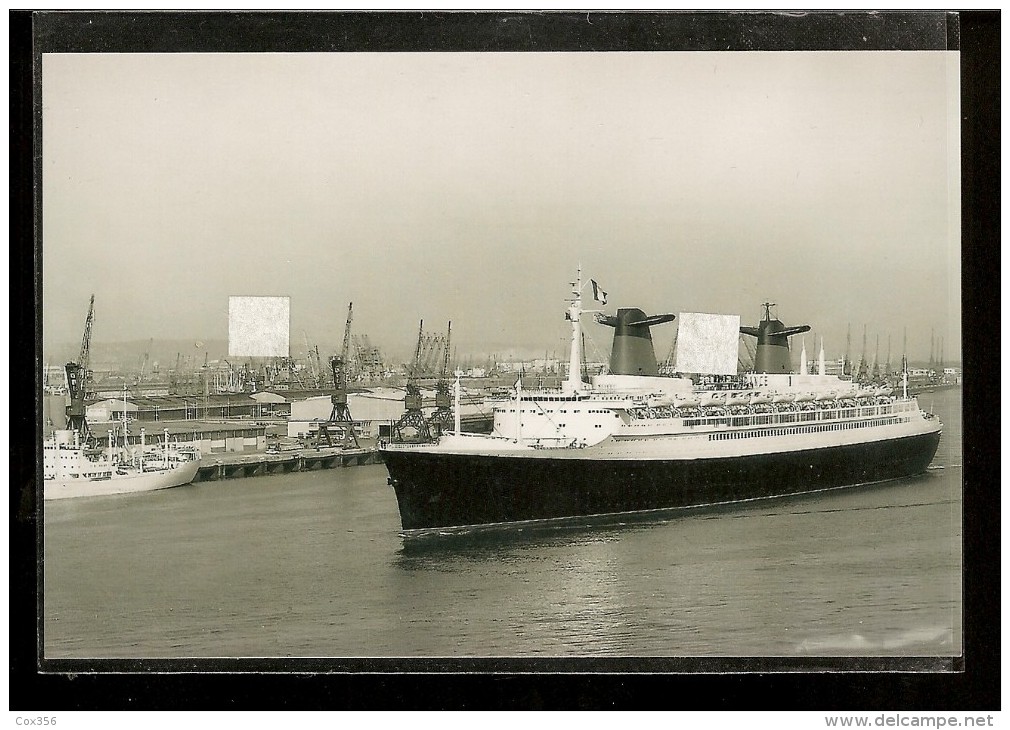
(311, 564)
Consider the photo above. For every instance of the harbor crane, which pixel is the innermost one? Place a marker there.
(442, 419)
(77, 378)
(312, 363)
(863, 373)
(318, 366)
(340, 414)
(146, 359)
(413, 401)
(429, 355)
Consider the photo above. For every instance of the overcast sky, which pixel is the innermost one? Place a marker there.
(470, 186)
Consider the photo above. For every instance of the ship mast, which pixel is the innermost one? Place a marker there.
(573, 384)
(904, 365)
(455, 392)
(126, 442)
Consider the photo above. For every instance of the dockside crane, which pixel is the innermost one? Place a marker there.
(147, 357)
(863, 373)
(318, 365)
(413, 400)
(311, 361)
(442, 419)
(77, 378)
(174, 381)
(340, 414)
(747, 365)
(367, 357)
(431, 355)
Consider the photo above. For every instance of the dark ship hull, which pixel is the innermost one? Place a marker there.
(437, 491)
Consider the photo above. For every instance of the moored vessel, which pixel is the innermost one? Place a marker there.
(71, 468)
(73, 465)
(635, 441)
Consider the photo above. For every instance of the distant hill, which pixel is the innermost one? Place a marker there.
(131, 353)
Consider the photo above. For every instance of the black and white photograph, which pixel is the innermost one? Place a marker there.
(620, 360)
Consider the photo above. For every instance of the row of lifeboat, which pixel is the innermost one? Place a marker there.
(707, 399)
(744, 402)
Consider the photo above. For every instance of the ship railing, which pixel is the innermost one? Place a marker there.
(468, 435)
(713, 418)
(383, 443)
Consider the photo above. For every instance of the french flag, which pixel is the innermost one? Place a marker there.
(598, 293)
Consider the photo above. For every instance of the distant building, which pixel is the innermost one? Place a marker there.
(150, 390)
(110, 409)
(210, 438)
(175, 408)
(272, 404)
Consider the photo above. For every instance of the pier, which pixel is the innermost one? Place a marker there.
(238, 466)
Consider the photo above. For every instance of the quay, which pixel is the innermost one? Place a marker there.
(236, 466)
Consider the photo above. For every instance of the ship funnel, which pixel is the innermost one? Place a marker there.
(772, 343)
(632, 352)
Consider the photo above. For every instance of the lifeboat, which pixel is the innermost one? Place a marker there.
(825, 396)
(758, 398)
(713, 398)
(785, 397)
(686, 401)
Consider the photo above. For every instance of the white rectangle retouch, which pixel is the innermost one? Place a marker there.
(259, 326)
(707, 343)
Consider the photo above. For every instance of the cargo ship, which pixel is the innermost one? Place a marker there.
(72, 468)
(633, 441)
(73, 465)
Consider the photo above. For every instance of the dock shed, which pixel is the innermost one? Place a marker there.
(211, 438)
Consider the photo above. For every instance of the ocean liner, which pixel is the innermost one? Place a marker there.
(633, 440)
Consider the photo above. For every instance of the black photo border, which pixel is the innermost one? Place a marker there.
(745, 684)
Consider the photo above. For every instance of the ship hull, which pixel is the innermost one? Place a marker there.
(443, 490)
(120, 484)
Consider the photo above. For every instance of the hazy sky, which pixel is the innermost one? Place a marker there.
(470, 186)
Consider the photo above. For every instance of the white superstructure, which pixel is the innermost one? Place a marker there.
(72, 469)
(697, 417)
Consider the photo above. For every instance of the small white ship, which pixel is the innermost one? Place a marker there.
(73, 469)
(72, 466)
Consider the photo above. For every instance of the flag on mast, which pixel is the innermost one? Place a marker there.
(598, 293)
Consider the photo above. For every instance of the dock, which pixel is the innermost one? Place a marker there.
(237, 466)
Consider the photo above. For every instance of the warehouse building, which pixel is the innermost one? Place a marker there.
(374, 412)
(210, 438)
